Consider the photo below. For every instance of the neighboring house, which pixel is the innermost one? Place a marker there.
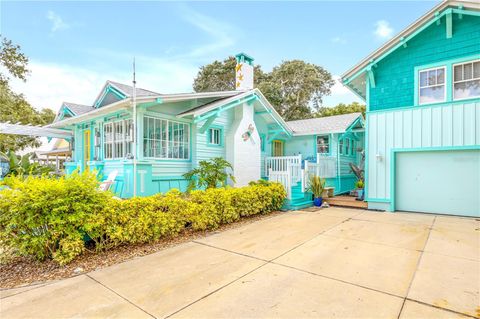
(177, 131)
(422, 90)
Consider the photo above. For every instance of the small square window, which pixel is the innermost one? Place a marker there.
(215, 136)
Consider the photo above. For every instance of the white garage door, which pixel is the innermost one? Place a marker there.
(440, 182)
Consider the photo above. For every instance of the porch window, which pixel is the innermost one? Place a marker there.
(215, 136)
(117, 139)
(347, 146)
(466, 80)
(165, 139)
(431, 86)
(323, 144)
(340, 146)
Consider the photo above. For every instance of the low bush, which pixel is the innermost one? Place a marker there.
(53, 218)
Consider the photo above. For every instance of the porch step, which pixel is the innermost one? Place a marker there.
(297, 204)
(346, 201)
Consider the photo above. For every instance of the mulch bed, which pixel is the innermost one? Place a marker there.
(24, 271)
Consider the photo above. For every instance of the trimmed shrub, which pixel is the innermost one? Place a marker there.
(52, 218)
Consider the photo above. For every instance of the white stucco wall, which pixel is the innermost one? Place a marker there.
(245, 156)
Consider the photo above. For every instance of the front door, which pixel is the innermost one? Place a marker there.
(277, 148)
(86, 148)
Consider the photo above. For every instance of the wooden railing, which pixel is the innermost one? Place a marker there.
(293, 164)
(282, 177)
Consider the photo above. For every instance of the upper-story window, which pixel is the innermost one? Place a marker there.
(432, 86)
(215, 136)
(466, 80)
(323, 144)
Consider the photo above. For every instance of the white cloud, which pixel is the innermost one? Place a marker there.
(340, 94)
(51, 84)
(383, 30)
(57, 22)
(339, 40)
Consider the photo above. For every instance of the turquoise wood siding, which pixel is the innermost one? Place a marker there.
(447, 126)
(394, 75)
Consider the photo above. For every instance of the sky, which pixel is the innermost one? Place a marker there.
(74, 47)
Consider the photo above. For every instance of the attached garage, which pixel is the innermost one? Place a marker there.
(439, 182)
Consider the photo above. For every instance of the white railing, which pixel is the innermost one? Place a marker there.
(282, 177)
(292, 164)
(325, 167)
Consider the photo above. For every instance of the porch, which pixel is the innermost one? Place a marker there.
(293, 173)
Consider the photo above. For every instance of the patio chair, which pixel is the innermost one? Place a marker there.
(106, 184)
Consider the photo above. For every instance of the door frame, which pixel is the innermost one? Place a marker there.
(394, 151)
(283, 147)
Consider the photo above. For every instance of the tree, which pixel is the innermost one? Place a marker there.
(294, 88)
(14, 107)
(341, 109)
(209, 174)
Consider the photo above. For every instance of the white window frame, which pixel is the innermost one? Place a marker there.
(328, 144)
(178, 143)
(455, 82)
(419, 86)
(211, 136)
(125, 139)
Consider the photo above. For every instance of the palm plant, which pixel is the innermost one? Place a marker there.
(209, 174)
(21, 165)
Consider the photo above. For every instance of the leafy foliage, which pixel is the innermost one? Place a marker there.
(209, 174)
(316, 185)
(21, 165)
(294, 87)
(14, 106)
(52, 218)
(341, 109)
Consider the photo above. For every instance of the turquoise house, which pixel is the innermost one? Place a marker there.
(174, 132)
(422, 90)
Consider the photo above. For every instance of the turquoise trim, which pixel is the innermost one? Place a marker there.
(244, 58)
(448, 64)
(109, 89)
(365, 174)
(403, 41)
(393, 152)
(315, 147)
(262, 142)
(221, 136)
(439, 104)
(378, 200)
(225, 107)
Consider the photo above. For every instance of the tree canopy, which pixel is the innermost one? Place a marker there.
(295, 88)
(14, 107)
(340, 109)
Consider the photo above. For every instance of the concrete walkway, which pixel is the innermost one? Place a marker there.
(333, 263)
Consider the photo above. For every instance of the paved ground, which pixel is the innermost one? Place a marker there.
(332, 263)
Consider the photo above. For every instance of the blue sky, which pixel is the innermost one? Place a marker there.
(74, 47)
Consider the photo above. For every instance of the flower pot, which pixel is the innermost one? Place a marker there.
(360, 193)
(318, 201)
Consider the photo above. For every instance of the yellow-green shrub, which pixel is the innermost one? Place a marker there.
(51, 218)
(44, 217)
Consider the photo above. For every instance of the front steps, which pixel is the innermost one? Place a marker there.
(346, 201)
(299, 200)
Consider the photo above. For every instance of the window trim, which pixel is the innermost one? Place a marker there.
(449, 80)
(125, 140)
(220, 136)
(452, 87)
(418, 88)
(328, 136)
(168, 120)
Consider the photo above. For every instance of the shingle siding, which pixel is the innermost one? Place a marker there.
(394, 75)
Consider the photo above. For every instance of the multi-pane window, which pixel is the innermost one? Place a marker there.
(215, 136)
(431, 85)
(165, 139)
(323, 144)
(347, 146)
(466, 80)
(117, 139)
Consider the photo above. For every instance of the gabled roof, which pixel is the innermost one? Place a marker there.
(78, 109)
(401, 39)
(324, 125)
(128, 89)
(114, 91)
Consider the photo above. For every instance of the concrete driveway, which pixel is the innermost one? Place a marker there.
(333, 263)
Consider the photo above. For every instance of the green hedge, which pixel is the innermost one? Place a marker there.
(52, 218)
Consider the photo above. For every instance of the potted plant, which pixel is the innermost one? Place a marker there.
(360, 185)
(316, 185)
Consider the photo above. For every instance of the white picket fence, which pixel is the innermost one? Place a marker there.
(288, 171)
(282, 177)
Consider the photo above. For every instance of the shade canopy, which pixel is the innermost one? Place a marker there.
(31, 130)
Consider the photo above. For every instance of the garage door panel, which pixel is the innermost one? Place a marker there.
(441, 182)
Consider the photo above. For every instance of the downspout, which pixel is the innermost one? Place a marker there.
(134, 132)
(338, 164)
